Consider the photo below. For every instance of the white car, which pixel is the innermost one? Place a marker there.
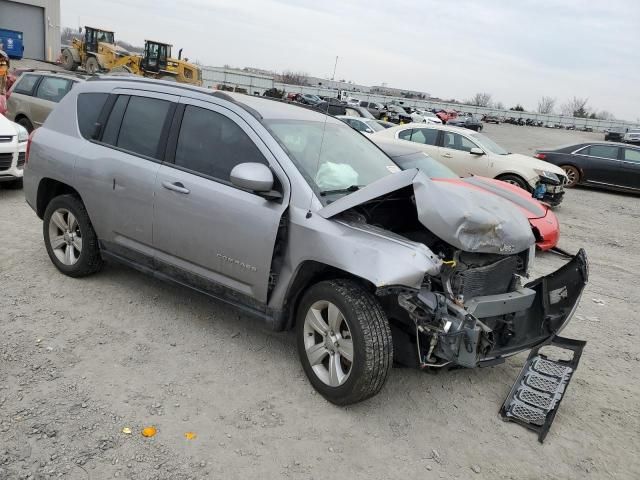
(424, 116)
(471, 153)
(366, 126)
(632, 136)
(13, 150)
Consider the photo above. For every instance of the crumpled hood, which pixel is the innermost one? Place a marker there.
(468, 219)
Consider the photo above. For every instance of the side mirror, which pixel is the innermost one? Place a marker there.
(476, 151)
(252, 176)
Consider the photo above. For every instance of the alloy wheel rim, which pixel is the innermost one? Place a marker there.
(571, 175)
(65, 236)
(328, 343)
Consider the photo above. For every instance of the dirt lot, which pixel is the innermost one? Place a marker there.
(82, 359)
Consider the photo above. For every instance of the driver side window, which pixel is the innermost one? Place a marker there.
(456, 141)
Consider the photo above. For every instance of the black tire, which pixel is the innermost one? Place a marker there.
(515, 180)
(92, 66)
(370, 334)
(26, 123)
(89, 261)
(68, 63)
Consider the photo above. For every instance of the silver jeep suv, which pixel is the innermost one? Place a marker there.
(292, 216)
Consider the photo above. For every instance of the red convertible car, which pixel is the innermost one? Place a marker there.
(543, 221)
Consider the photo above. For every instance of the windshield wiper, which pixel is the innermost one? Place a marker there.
(352, 188)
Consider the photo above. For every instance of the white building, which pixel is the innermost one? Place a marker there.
(39, 21)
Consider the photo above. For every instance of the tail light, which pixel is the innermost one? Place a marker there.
(26, 156)
(540, 156)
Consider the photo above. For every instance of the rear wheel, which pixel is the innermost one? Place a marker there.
(24, 121)
(68, 63)
(573, 175)
(344, 341)
(514, 180)
(71, 242)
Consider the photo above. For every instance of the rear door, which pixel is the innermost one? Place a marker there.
(206, 229)
(120, 169)
(455, 153)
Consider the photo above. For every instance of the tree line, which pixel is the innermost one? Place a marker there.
(573, 107)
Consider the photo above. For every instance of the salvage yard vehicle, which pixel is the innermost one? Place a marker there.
(293, 216)
(13, 147)
(544, 223)
(466, 121)
(632, 136)
(36, 93)
(467, 152)
(614, 134)
(597, 164)
(97, 52)
(365, 126)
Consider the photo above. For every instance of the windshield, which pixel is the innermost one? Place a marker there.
(489, 144)
(344, 159)
(427, 165)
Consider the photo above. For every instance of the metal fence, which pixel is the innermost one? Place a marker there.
(256, 84)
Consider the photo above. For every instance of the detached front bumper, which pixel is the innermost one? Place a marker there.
(485, 329)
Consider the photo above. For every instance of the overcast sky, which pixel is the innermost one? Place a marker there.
(516, 50)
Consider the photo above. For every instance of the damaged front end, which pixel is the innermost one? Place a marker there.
(484, 329)
(478, 307)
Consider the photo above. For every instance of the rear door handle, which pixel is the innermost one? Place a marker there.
(176, 187)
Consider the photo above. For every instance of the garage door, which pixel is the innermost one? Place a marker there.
(27, 19)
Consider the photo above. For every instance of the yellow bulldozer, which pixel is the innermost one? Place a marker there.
(97, 52)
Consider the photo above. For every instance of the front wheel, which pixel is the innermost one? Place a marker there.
(514, 180)
(71, 242)
(92, 66)
(344, 341)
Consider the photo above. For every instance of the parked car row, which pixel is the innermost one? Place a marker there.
(328, 235)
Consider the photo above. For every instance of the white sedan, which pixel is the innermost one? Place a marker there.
(13, 148)
(424, 116)
(366, 126)
(471, 153)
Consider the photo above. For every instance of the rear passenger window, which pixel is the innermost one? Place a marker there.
(211, 144)
(427, 136)
(89, 108)
(25, 84)
(53, 89)
(141, 126)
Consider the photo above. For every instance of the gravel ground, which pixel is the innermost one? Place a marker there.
(81, 360)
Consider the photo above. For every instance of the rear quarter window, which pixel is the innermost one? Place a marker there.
(89, 107)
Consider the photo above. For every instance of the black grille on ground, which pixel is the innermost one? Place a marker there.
(5, 160)
(487, 280)
(21, 158)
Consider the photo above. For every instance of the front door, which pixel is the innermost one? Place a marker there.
(630, 168)
(604, 164)
(204, 228)
(455, 153)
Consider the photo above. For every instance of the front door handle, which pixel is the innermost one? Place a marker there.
(176, 187)
(447, 155)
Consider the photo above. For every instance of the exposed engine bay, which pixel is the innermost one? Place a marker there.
(481, 306)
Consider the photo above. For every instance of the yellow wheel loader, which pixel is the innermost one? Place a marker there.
(95, 52)
(158, 63)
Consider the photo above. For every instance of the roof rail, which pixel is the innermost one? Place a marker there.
(201, 90)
